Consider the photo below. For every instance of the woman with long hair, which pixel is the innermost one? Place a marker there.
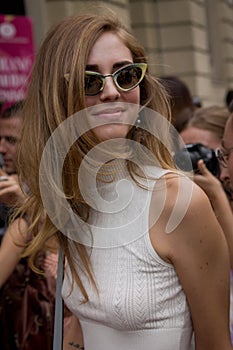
(146, 260)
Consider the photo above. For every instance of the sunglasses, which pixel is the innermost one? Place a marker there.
(223, 156)
(126, 79)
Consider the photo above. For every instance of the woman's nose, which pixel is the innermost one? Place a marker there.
(2, 145)
(110, 91)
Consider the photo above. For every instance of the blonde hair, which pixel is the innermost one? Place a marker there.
(51, 100)
(211, 118)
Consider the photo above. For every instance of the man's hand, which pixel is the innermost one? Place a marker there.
(10, 191)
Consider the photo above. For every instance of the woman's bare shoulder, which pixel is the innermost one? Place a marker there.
(190, 218)
(183, 199)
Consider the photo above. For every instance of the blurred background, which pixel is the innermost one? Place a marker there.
(192, 39)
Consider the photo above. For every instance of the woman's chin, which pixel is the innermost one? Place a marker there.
(111, 131)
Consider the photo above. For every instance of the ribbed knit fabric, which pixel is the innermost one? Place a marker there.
(141, 304)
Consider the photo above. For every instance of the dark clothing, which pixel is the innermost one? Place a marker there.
(27, 310)
(4, 217)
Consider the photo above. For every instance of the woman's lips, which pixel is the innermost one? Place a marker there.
(109, 115)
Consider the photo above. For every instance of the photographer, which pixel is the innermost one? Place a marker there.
(206, 128)
(226, 160)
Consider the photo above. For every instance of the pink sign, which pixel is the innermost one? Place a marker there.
(16, 57)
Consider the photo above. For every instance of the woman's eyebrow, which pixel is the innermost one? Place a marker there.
(121, 64)
(95, 67)
(92, 67)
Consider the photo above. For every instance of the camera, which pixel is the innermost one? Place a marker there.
(187, 158)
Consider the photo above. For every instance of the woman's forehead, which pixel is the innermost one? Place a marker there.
(109, 47)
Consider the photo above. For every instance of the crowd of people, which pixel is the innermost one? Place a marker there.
(26, 297)
(88, 168)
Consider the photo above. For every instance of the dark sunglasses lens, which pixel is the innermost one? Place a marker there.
(93, 84)
(129, 77)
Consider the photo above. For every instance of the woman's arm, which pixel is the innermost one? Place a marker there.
(219, 201)
(198, 250)
(73, 338)
(11, 248)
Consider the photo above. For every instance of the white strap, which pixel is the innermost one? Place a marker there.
(58, 318)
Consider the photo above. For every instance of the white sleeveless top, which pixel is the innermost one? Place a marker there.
(140, 302)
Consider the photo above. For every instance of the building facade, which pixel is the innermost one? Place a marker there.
(192, 39)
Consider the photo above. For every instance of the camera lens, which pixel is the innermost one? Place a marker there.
(187, 158)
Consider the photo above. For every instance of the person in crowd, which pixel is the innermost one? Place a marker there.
(10, 192)
(225, 155)
(226, 161)
(182, 104)
(139, 237)
(207, 127)
(26, 298)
